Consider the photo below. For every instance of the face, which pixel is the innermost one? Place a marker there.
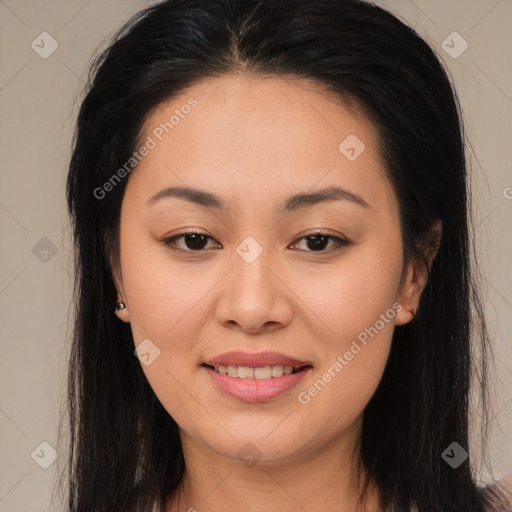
(251, 266)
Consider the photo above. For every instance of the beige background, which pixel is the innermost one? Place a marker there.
(38, 102)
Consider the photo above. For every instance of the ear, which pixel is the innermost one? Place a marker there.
(122, 314)
(417, 274)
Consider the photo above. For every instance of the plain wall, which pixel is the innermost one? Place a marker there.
(39, 99)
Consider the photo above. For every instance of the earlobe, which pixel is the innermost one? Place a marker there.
(121, 311)
(408, 302)
(405, 315)
(417, 276)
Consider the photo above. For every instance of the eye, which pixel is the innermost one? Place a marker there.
(318, 241)
(193, 241)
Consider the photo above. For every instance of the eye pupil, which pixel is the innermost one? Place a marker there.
(198, 241)
(319, 241)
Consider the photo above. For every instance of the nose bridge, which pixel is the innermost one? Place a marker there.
(252, 272)
(254, 297)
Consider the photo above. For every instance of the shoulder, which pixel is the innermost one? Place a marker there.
(498, 495)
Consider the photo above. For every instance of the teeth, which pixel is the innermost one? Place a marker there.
(232, 371)
(260, 373)
(264, 372)
(277, 371)
(244, 372)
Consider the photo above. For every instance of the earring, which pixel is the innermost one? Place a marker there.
(412, 311)
(120, 305)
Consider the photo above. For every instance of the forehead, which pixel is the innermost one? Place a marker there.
(232, 107)
(260, 135)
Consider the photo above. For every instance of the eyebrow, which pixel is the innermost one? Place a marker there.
(291, 204)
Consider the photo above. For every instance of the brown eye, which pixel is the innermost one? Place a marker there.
(318, 242)
(195, 241)
(191, 242)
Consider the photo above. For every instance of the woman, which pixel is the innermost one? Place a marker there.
(271, 196)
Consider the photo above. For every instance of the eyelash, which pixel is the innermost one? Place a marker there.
(340, 242)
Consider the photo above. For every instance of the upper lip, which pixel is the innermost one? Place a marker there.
(255, 360)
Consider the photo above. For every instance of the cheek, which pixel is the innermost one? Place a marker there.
(167, 306)
(358, 311)
(164, 295)
(352, 295)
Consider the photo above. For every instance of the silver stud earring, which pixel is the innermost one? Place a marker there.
(120, 305)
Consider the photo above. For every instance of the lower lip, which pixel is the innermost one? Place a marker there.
(255, 390)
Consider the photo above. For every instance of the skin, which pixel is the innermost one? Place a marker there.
(254, 142)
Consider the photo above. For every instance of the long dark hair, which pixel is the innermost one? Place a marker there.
(124, 449)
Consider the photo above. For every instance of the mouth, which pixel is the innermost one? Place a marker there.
(255, 377)
(256, 384)
(257, 372)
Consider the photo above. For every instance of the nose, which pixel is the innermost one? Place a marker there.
(254, 297)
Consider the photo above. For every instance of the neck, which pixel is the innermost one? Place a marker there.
(330, 479)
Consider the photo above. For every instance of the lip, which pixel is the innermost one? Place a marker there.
(255, 360)
(255, 390)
